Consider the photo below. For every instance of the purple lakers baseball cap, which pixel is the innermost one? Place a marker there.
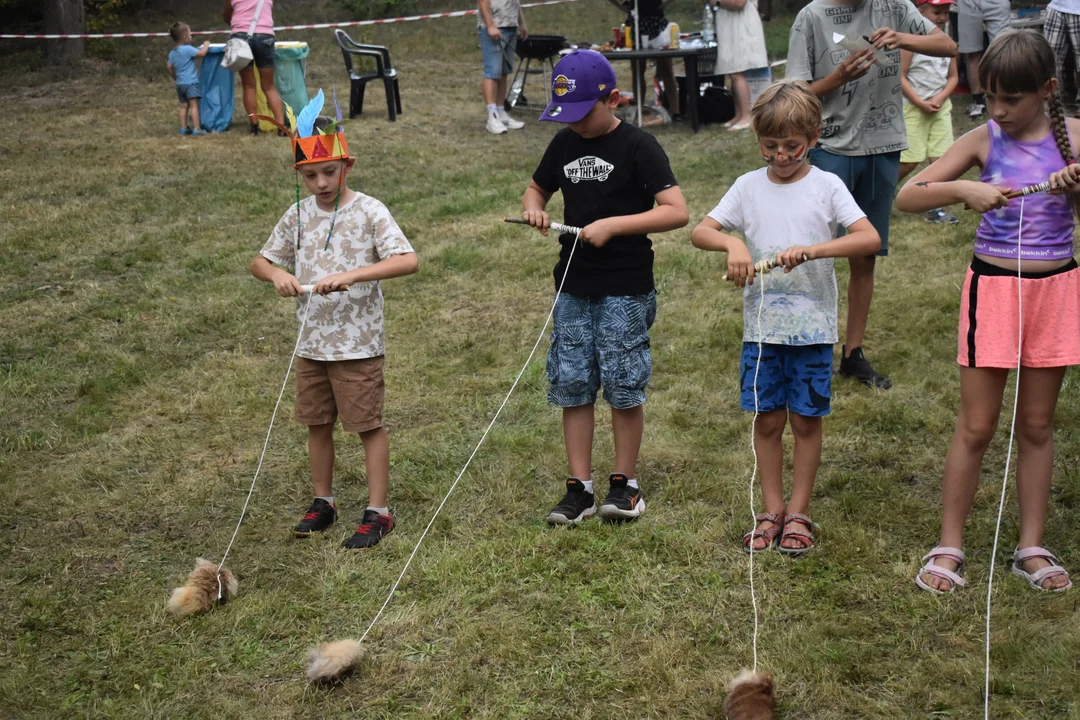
(580, 79)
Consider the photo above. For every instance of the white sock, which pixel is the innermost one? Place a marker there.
(381, 511)
(329, 499)
(631, 483)
(493, 109)
(587, 484)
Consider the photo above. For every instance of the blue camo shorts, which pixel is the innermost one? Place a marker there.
(795, 377)
(188, 92)
(871, 179)
(601, 341)
(498, 54)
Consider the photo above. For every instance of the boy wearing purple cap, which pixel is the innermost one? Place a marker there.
(611, 175)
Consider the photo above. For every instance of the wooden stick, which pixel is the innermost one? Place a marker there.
(1029, 190)
(308, 289)
(557, 227)
(767, 265)
(1012, 194)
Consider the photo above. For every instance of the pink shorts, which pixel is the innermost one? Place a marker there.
(990, 315)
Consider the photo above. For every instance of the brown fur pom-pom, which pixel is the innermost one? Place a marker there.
(200, 592)
(333, 661)
(750, 697)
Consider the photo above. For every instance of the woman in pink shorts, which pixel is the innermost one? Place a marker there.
(1022, 295)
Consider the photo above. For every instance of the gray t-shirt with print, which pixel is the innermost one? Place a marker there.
(864, 116)
(503, 12)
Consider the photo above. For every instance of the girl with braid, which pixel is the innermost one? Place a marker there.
(1027, 141)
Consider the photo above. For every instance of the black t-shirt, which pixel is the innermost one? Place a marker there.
(615, 174)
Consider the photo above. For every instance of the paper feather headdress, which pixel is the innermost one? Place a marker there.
(312, 144)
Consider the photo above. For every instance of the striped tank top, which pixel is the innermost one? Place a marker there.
(1047, 233)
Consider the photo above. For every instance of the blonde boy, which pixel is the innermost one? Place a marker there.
(789, 325)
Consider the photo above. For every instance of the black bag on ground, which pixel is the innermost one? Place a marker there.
(716, 105)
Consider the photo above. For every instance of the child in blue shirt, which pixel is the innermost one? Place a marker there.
(181, 67)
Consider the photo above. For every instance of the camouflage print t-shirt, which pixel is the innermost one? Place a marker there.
(864, 116)
(347, 325)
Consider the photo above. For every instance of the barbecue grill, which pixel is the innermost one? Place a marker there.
(539, 49)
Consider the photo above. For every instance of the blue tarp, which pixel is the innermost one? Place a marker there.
(217, 85)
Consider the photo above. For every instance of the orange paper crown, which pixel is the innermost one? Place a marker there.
(309, 143)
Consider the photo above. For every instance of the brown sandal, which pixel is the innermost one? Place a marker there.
(770, 535)
(806, 538)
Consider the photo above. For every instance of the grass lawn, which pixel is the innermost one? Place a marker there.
(139, 363)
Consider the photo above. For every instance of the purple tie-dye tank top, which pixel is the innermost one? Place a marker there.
(1048, 220)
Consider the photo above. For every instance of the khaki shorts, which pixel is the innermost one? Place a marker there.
(352, 388)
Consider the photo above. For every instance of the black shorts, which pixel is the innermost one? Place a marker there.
(262, 48)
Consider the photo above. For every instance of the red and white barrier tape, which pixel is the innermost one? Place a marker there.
(315, 26)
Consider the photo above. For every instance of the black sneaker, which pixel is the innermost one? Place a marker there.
(318, 517)
(858, 367)
(577, 504)
(254, 130)
(940, 217)
(372, 529)
(977, 110)
(622, 502)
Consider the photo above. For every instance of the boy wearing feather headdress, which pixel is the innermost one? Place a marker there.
(343, 243)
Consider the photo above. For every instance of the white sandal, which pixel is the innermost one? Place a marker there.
(1035, 579)
(955, 554)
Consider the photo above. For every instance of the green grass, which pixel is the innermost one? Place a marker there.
(139, 365)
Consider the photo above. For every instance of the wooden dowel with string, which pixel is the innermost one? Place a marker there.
(767, 265)
(557, 227)
(1012, 194)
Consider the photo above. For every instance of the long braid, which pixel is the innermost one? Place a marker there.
(1061, 137)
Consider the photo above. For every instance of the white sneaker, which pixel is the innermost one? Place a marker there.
(495, 126)
(976, 110)
(508, 121)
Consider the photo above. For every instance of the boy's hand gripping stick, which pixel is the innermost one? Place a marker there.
(557, 227)
(767, 265)
(308, 289)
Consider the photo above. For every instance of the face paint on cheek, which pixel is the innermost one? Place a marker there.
(797, 156)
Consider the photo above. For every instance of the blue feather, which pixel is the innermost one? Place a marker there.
(336, 106)
(305, 121)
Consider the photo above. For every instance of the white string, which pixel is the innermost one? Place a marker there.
(753, 473)
(1008, 455)
(266, 442)
(483, 437)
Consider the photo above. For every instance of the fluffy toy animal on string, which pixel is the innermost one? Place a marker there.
(333, 661)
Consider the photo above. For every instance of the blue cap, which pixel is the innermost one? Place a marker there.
(579, 80)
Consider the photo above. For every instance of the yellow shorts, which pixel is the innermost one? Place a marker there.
(928, 136)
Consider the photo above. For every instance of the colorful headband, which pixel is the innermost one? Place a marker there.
(311, 144)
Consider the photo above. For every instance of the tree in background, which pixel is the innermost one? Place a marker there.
(64, 17)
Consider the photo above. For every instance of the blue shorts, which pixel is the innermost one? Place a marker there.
(262, 49)
(498, 54)
(871, 179)
(795, 377)
(188, 92)
(601, 341)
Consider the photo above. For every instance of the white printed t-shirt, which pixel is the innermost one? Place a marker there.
(346, 325)
(800, 306)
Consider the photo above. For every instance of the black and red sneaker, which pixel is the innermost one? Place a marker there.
(318, 517)
(622, 502)
(372, 529)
